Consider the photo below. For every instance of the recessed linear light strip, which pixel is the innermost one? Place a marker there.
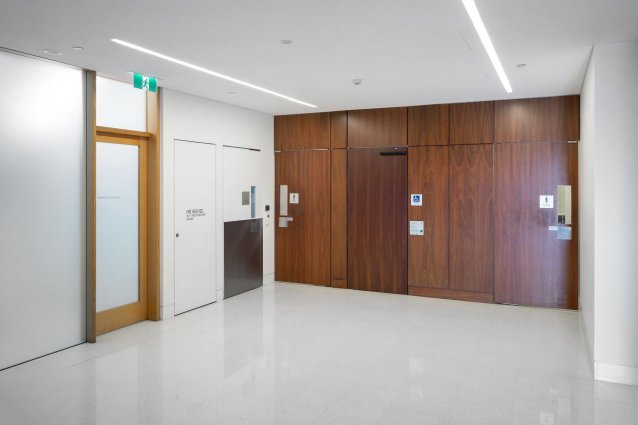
(475, 16)
(207, 71)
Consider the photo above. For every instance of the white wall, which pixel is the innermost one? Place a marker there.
(193, 118)
(612, 165)
(42, 208)
(587, 154)
(119, 105)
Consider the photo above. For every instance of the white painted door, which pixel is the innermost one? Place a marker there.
(195, 242)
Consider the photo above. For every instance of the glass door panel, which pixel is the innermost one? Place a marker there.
(117, 225)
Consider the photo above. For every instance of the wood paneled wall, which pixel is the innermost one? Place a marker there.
(554, 119)
(429, 125)
(471, 219)
(461, 157)
(339, 218)
(299, 132)
(428, 174)
(471, 123)
(377, 128)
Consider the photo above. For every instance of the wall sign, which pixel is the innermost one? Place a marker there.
(144, 82)
(564, 233)
(294, 198)
(547, 201)
(416, 199)
(192, 214)
(416, 228)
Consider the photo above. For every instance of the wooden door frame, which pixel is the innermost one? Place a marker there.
(153, 221)
(121, 316)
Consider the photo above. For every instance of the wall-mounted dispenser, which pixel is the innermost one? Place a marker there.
(564, 212)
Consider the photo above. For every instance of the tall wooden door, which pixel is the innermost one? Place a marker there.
(302, 213)
(536, 258)
(377, 219)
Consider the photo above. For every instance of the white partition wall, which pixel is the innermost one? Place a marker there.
(189, 117)
(42, 208)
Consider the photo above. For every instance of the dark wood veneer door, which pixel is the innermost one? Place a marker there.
(377, 220)
(533, 267)
(302, 250)
(428, 174)
(471, 218)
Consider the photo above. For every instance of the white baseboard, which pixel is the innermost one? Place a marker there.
(167, 311)
(220, 295)
(616, 373)
(269, 278)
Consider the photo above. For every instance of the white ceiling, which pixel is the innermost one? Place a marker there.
(407, 52)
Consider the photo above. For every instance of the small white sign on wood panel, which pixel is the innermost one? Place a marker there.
(416, 228)
(547, 201)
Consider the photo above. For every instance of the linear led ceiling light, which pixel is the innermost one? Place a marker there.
(207, 71)
(472, 10)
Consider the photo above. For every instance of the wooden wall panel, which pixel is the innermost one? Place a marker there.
(378, 128)
(532, 266)
(305, 131)
(471, 218)
(428, 174)
(339, 216)
(471, 123)
(302, 250)
(549, 119)
(428, 125)
(377, 220)
(338, 129)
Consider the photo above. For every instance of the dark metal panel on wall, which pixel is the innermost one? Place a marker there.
(243, 264)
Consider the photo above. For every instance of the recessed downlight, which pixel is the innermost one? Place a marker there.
(286, 41)
(479, 26)
(208, 71)
(78, 48)
(52, 52)
(521, 65)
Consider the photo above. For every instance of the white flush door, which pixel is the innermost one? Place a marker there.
(195, 243)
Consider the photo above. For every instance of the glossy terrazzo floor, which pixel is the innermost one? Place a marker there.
(297, 354)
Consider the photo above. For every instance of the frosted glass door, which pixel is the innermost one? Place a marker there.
(117, 225)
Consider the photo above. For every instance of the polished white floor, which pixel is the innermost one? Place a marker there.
(297, 354)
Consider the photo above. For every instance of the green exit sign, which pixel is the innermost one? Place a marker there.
(144, 82)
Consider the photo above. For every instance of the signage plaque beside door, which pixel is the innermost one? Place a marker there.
(416, 199)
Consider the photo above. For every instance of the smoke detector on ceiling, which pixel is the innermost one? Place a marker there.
(357, 81)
